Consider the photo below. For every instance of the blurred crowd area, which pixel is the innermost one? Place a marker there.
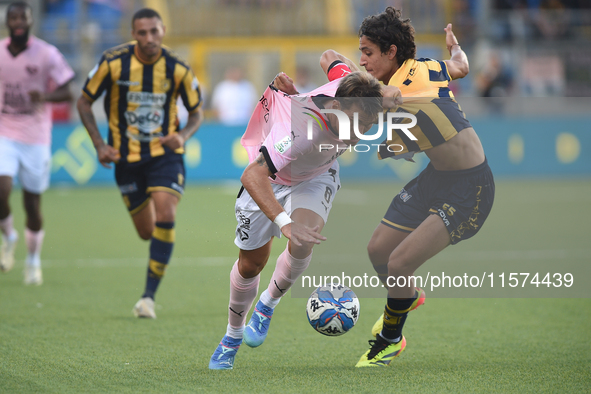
(516, 48)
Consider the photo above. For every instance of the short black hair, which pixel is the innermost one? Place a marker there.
(145, 13)
(18, 4)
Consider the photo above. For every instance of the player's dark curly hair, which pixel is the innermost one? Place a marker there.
(387, 29)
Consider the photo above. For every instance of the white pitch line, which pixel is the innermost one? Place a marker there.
(136, 261)
(219, 261)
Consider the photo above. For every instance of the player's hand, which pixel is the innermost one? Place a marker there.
(173, 141)
(107, 154)
(284, 83)
(36, 97)
(450, 38)
(300, 234)
(392, 96)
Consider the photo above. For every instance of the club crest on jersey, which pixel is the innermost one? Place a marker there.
(404, 196)
(165, 84)
(32, 70)
(283, 145)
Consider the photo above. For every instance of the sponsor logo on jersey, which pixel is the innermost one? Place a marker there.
(283, 145)
(129, 188)
(146, 98)
(126, 83)
(149, 116)
(443, 216)
(176, 187)
(404, 196)
(147, 119)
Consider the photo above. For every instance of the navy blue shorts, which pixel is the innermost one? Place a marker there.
(463, 199)
(137, 180)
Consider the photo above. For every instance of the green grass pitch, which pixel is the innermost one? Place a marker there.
(76, 333)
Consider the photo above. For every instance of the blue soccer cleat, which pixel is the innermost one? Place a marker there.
(223, 357)
(257, 328)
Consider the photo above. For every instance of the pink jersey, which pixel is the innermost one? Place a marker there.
(30, 70)
(279, 129)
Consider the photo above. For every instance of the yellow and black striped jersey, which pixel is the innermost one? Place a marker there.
(424, 87)
(141, 99)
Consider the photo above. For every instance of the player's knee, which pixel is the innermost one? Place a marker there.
(401, 263)
(145, 233)
(165, 215)
(249, 269)
(301, 252)
(378, 253)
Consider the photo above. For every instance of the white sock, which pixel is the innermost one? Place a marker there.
(396, 340)
(234, 332)
(268, 300)
(7, 229)
(34, 240)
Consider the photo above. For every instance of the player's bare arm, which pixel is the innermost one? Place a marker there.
(255, 180)
(457, 65)
(177, 140)
(330, 56)
(106, 153)
(61, 94)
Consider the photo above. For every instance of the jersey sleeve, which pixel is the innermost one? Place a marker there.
(277, 147)
(98, 80)
(337, 70)
(59, 69)
(437, 70)
(190, 92)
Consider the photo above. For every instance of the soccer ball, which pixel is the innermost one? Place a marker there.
(333, 310)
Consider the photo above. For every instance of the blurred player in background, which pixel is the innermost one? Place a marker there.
(142, 80)
(288, 189)
(450, 200)
(27, 66)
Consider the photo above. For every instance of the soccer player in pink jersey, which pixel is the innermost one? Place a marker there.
(27, 64)
(288, 189)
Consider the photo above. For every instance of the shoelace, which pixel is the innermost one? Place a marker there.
(377, 345)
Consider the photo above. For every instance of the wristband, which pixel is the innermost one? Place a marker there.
(282, 219)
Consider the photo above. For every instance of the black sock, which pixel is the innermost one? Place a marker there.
(395, 315)
(161, 246)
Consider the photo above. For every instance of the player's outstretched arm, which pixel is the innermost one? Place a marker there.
(457, 65)
(106, 153)
(255, 180)
(61, 94)
(177, 140)
(330, 56)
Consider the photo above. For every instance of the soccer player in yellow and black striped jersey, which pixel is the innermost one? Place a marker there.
(449, 201)
(142, 80)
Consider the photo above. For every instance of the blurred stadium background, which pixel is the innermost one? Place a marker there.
(527, 92)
